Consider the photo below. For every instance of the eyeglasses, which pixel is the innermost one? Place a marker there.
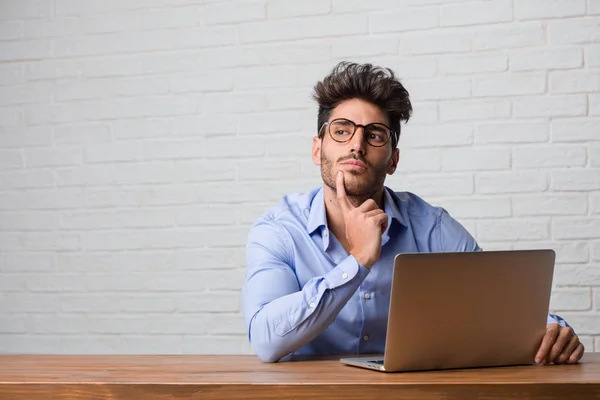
(342, 130)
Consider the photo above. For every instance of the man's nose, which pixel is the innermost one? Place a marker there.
(358, 141)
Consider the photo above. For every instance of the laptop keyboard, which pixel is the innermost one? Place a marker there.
(377, 362)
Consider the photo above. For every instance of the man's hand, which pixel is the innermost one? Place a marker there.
(364, 226)
(559, 346)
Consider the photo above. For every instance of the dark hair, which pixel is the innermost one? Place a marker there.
(376, 85)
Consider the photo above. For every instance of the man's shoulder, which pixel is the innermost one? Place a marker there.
(414, 205)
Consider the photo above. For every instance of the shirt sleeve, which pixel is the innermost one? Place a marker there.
(281, 316)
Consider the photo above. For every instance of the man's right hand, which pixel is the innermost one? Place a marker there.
(364, 225)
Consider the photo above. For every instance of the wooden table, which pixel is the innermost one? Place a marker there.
(34, 377)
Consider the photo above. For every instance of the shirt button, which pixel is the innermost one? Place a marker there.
(345, 275)
(366, 338)
(312, 305)
(367, 295)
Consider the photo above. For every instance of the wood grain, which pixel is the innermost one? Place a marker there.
(152, 377)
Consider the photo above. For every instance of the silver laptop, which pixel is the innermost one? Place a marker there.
(463, 310)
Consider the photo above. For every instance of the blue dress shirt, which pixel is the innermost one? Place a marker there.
(305, 295)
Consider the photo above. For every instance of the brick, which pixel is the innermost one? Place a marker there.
(291, 53)
(571, 299)
(546, 58)
(540, 9)
(109, 88)
(11, 30)
(594, 106)
(114, 152)
(595, 201)
(11, 325)
(211, 171)
(573, 31)
(233, 13)
(488, 12)
(550, 204)
(287, 146)
(284, 9)
(513, 230)
(437, 89)
(44, 199)
(52, 69)
(304, 28)
(549, 156)
(515, 35)
(550, 106)
(265, 77)
(472, 63)
(116, 219)
(29, 221)
(250, 170)
(509, 85)
(420, 160)
(576, 228)
(30, 303)
(566, 252)
(48, 324)
(159, 106)
(167, 150)
(25, 50)
(594, 152)
(53, 157)
(478, 207)
(30, 93)
(205, 216)
(272, 122)
(170, 195)
(78, 133)
(189, 281)
(27, 262)
(52, 113)
(10, 159)
(281, 99)
(576, 275)
(11, 117)
(14, 138)
(593, 9)
(143, 19)
(111, 197)
(129, 173)
(448, 184)
(410, 67)
(11, 74)
(43, 241)
(474, 109)
(592, 55)
(472, 159)
(359, 5)
(138, 64)
(418, 43)
(205, 82)
(424, 113)
(29, 344)
(576, 180)
(365, 46)
(54, 27)
(436, 135)
(410, 19)
(24, 179)
(511, 132)
(575, 130)
(219, 147)
(575, 81)
(596, 251)
(511, 182)
(26, 9)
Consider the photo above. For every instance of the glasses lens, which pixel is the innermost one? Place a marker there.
(377, 134)
(341, 129)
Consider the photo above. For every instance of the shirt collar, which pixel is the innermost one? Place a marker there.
(317, 217)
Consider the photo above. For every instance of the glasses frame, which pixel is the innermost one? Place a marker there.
(356, 126)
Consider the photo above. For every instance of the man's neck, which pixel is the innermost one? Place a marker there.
(333, 212)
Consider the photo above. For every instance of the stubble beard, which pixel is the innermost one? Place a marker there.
(357, 190)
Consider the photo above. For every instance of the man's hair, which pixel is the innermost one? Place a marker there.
(370, 83)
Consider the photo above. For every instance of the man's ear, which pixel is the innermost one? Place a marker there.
(393, 164)
(316, 150)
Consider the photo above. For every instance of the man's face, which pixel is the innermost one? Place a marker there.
(364, 166)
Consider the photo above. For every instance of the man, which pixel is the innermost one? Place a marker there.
(319, 264)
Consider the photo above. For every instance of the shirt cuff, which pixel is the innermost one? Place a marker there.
(345, 272)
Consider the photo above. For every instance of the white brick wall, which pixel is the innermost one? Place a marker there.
(140, 139)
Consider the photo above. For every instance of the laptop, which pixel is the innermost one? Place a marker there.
(465, 310)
